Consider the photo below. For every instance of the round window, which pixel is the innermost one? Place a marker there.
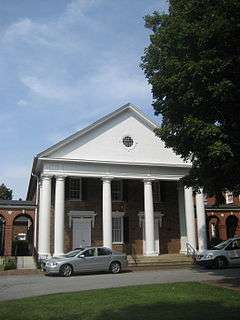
(128, 141)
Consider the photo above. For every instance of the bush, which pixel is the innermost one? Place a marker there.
(8, 263)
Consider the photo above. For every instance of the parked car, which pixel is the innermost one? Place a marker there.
(226, 253)
(91, 259)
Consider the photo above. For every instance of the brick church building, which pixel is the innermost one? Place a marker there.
(115, 184)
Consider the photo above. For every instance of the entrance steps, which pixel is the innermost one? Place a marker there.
(26, 262)
(161, 261)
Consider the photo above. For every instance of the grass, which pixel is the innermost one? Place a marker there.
(166, 301)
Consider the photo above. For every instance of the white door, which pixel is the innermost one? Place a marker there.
(156, 236)
(81, 232)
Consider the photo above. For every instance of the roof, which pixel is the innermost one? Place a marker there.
(17, 204)
(127, 107)
(99, 122)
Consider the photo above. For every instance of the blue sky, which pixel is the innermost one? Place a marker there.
(64, 64)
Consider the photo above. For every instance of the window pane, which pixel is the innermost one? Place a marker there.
(104, 252)
(117, 228)
(75, 188)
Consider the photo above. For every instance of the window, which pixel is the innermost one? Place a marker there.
(104, 252)
(156, 191)
(128, 141)
(117, 229)
(229, 197)
(75, 186)
(117, 188)
(89, 253)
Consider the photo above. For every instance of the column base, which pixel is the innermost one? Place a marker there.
(151, 254)
(43, 256)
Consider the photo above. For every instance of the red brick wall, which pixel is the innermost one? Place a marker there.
(221, 216)
(132, 204)
(9, 214)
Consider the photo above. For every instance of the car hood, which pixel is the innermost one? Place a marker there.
(206, 252)
(56, 259)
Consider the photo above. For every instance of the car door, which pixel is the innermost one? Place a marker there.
(86, 261)
(233, 252)
(104, 256)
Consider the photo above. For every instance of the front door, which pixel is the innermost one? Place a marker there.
(156, 238)
(81, 232)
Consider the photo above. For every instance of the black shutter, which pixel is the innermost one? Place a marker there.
(163, 191)
(67, 188)
(125, 190)
(126, 229)
(84, 189)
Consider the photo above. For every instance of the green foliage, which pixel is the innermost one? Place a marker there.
(5, 192)
(193, 65)
(8, 263)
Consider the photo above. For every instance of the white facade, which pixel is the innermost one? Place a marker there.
(99, 151)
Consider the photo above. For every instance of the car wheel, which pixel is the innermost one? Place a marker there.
(115, 267)
(220, 263)
(66, 270)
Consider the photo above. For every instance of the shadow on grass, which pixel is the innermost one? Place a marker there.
(198, 310)
(227, 277)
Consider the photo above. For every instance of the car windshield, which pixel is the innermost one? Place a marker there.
(72, 254)
(221, 245)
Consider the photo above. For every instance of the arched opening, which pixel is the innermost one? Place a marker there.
(213, 231)
(2, 234)
(231, 224)
(22, 242)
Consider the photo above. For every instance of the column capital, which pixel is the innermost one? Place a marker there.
(148, 180)
(46, 177)
(107, 179)
(60, 177)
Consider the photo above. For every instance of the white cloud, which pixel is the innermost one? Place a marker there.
(22, 103)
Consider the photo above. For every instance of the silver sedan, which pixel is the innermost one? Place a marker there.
(92, 259)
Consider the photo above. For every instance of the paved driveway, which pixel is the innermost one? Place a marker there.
(15, 287)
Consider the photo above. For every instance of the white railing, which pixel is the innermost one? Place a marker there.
(190, 250)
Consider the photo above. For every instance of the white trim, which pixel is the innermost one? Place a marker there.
(82, 215)
(151, 164)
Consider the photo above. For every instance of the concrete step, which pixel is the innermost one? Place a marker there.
(26, 262)
(158, 261)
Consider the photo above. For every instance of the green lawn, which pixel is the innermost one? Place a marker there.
(165, 301)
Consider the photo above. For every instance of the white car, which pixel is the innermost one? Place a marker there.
(226, 253)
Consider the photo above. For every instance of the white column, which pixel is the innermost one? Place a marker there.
(149, 218)
(59, 216)
(182, 219)
(44, 217)
(190, 217)
(107, 213)
(201, 221)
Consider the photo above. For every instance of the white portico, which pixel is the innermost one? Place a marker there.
(121, 146)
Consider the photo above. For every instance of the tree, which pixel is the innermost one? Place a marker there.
(5, 193)
(193, 65)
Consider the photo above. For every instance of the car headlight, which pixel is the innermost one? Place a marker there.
(209, 256)
(52, 264)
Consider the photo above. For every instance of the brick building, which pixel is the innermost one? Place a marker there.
(115, 184)
(16, 222)
(223, 221)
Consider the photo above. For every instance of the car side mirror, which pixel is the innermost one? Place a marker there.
(81, 256)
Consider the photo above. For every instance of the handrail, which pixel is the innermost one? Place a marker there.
(191, 251)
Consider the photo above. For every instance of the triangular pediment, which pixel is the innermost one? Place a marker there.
(124, 136)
